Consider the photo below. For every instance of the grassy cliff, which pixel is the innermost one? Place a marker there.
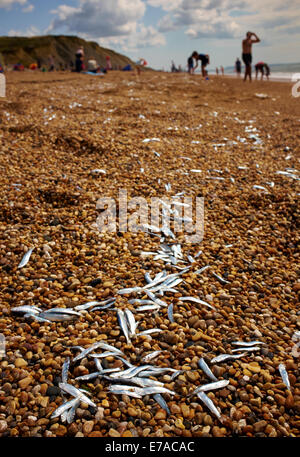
(62, 48)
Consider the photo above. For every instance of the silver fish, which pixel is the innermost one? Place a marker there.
(196, 300)
(149, 332)
(103, 355)
(209, 404)
(284, 375)
(123, 324)
(246, 343)
(140, 302)
(131, 322)
(131, 391)
(37, 317)
(131, 372)
(155, 299)
(203, 365)
(211, 386)
(25, 258)
(162, 403)
(91, 304)
(148, 278)
(71, 413)
(62, 408)
(248, 349)
(153, 307)
(26, 309)
(87, 305)
(157, 390)
(223, 357)
(151, 356)
(87, 351)
(96, 374)
(98, 364)
(130, 290)
(220, 279)
(108, 347)
(69, 389)
(170, 313)
(65, 369)
(202, 269)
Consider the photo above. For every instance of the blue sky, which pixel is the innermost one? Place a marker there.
(164, 30)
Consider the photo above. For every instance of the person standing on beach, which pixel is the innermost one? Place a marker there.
(238, 67)
(222, 70)
(190, 63)
(247, 53)
(79, 59)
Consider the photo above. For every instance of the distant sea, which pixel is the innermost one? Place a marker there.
(279, 72)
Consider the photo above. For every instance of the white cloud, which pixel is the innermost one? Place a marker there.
(9, 3)
(228, 18)
(100, 18)
(28, 9)
(29, 32)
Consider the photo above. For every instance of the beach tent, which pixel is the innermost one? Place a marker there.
(127, 68)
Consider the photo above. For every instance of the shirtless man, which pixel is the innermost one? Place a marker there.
(247, 52)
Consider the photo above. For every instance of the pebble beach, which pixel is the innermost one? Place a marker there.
(68, 140)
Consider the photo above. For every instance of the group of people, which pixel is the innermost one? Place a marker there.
(250, 39)
(92, 65)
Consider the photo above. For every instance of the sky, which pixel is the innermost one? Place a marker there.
(164, 30)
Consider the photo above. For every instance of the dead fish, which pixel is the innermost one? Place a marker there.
(157, 390)
(56, 316)
(148, 278)
(196, 300)
(64, 407)
(151, 356)
(26, 309)
(209, 404)
(170, 313)
(284, 375)
(65, 369)
(149, 332)
(248, 349)
(91, 304)
(153, 307)
(131, 391)
(87, 305)
(131, 322)
(136, 301)
(96, 374)
(71, 413)
(103, 355)
(123, 324)
(108, 347)
(155, 299)
(211, 386)
(87, 351)
(198, 272)
(69, 389)
(203, 365)
(222, 281)
(162, 403)
(130, 290)
(25, 258)
(37, 317)
(223, 357)
(247, 343)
